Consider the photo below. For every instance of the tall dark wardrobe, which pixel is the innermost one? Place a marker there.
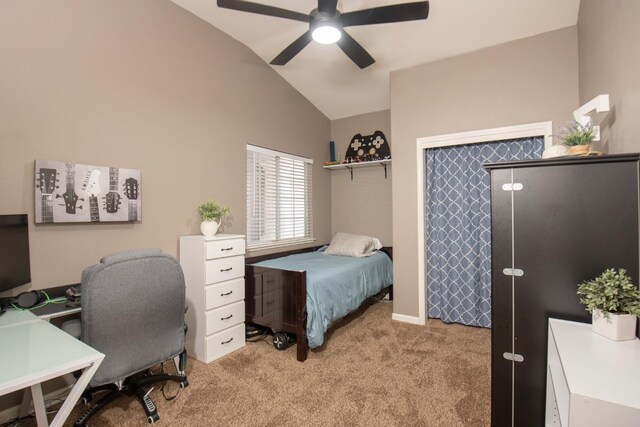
(555, 223)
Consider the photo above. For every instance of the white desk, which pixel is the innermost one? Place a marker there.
(34, 351)
(591, 380)
(11, 318)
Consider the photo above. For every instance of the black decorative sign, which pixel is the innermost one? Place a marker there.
(368, 148)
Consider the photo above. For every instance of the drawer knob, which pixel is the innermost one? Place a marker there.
(222, 270)
(227, 249)
(227, 342)
(227, 293)
(227, 318)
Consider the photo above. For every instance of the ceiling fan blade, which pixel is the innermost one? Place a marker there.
(354, 51)
(292, 50)
(262, 9)
(327, 6)
(386, 14)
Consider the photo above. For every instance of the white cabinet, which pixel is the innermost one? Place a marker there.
(214, 275)
(591, 380)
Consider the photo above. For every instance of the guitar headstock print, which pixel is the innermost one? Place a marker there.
(132, 191)
(112, 199)
(47, 182)
(131, 188)
(92, 189)
(92, 183)
(70, 197)
(112, 202)
(86, 186)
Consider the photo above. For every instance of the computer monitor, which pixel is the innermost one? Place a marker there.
(15, 268)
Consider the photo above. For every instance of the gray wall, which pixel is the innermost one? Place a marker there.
(143, 85)
(361, 206)
(525, 81)
(609, 49)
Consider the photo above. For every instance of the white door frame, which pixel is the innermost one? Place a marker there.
(473, 137)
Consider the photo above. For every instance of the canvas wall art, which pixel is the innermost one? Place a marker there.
(72, 192)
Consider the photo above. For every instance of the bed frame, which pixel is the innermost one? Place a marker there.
(277, 298)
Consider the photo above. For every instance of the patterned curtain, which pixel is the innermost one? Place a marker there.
(458, 227)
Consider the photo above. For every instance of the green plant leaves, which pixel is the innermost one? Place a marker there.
(577, 134)
(211, 211)
(611, 292)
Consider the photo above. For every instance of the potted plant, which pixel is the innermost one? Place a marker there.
(577, 137)
(614, 302)
(211, 215)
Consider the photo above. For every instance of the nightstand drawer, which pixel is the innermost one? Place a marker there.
(225, 248)
(225, 342)
(224, 293)
(224, 317)
(218, 270)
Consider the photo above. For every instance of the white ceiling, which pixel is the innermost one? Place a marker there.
(337, 87)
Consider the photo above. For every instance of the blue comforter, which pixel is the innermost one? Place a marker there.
(336, 285)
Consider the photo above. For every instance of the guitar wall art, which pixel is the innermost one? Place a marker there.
(72, 192)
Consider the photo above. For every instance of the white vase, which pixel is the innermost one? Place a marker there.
(618, 327)
(555, 151)
(209, 228)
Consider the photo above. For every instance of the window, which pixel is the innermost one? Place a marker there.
(278, 198)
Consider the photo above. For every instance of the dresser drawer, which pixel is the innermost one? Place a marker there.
(223, 317)
(224, 293)
(218, 270)
(224, 342)
(225, 248)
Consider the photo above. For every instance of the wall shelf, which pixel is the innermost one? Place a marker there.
(352, 166)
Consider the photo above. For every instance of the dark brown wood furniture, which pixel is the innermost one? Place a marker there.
(555, 223)
(277, 298)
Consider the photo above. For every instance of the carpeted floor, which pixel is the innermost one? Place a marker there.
(372, 371)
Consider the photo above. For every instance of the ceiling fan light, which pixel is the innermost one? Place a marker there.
(326, 34)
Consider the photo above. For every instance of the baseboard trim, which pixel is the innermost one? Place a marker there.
(407, 319)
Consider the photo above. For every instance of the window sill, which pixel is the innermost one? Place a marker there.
(271, 245)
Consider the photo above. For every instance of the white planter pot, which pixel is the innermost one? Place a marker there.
(555, 151)
(618, 327)
(209, 228)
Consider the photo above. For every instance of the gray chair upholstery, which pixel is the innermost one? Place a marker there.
(133, 306)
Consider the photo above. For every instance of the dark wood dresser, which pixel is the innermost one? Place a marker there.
(555, 223)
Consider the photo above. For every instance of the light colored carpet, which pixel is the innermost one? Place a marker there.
(372, 371)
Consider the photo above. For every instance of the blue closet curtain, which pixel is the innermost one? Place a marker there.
(458, 227)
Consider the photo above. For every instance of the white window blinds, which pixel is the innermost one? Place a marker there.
(278, 198)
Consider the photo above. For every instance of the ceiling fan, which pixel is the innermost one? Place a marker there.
(326, 24)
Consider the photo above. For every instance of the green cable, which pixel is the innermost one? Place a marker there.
(48, 300)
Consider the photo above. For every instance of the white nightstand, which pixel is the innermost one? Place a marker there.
(214, 275)
(591, 380)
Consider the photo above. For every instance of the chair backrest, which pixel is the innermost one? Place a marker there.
(133, 311)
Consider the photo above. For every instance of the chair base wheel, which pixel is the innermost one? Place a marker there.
(139, 386)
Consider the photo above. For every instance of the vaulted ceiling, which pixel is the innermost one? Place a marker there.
(337, 87)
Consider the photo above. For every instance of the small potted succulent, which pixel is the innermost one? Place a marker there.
(577, 137)
(614, 302)
(211, 215)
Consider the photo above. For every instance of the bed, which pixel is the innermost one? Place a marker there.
(305, 292)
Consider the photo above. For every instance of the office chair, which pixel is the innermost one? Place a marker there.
(133, 306)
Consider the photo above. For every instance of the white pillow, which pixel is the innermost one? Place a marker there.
(346, 244)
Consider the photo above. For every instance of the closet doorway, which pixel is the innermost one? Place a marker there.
(454, 251)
